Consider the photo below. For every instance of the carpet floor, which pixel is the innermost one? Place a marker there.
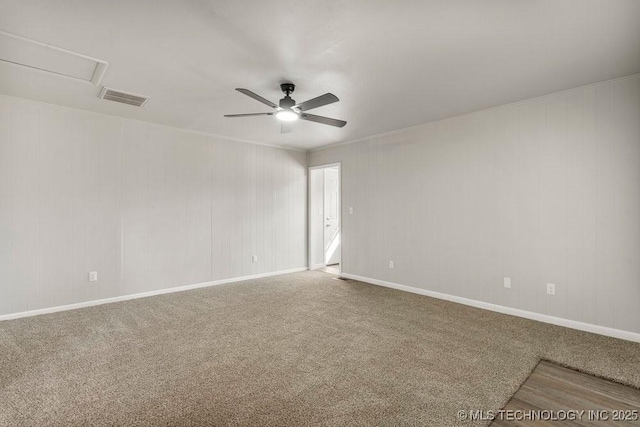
(296, 349)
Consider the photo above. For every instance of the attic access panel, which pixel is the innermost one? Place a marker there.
(21, 51)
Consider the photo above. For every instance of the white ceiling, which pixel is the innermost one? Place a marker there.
(393, 64)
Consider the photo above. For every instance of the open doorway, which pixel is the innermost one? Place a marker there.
(325, 225)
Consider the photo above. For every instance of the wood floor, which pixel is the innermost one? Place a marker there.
(331, 269)
(564, 393)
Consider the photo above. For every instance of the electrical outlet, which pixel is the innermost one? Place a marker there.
(254, 258)
(391, 264)
(350, 211)
(93, 276)
(507, 282)
(551, 289)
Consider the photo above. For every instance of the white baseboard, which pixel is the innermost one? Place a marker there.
(49, 310)
(317, 266)
(573, 324)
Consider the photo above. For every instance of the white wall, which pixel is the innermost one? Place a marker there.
(546, 190)
(149, 207)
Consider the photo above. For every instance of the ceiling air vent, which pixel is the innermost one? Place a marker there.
(123, 97)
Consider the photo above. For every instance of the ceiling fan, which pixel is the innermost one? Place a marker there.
(288, 111)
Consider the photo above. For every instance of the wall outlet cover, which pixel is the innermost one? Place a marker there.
(551, 289)
(507, 282)
(93, 276)
(391, 264)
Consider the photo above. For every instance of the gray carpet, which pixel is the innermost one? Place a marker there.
(298, 349)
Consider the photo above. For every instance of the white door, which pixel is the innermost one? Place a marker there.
(331, 216)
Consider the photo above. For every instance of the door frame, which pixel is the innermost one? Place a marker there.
(309, 213)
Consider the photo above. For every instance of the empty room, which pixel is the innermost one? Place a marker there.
(319, 212)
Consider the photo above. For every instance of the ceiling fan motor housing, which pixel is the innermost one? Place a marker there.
(287, 102)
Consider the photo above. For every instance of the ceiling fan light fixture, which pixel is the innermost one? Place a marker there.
(289, 111)
(286, 115)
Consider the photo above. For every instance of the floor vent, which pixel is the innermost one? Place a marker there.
(344, 279)
(123, 97)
